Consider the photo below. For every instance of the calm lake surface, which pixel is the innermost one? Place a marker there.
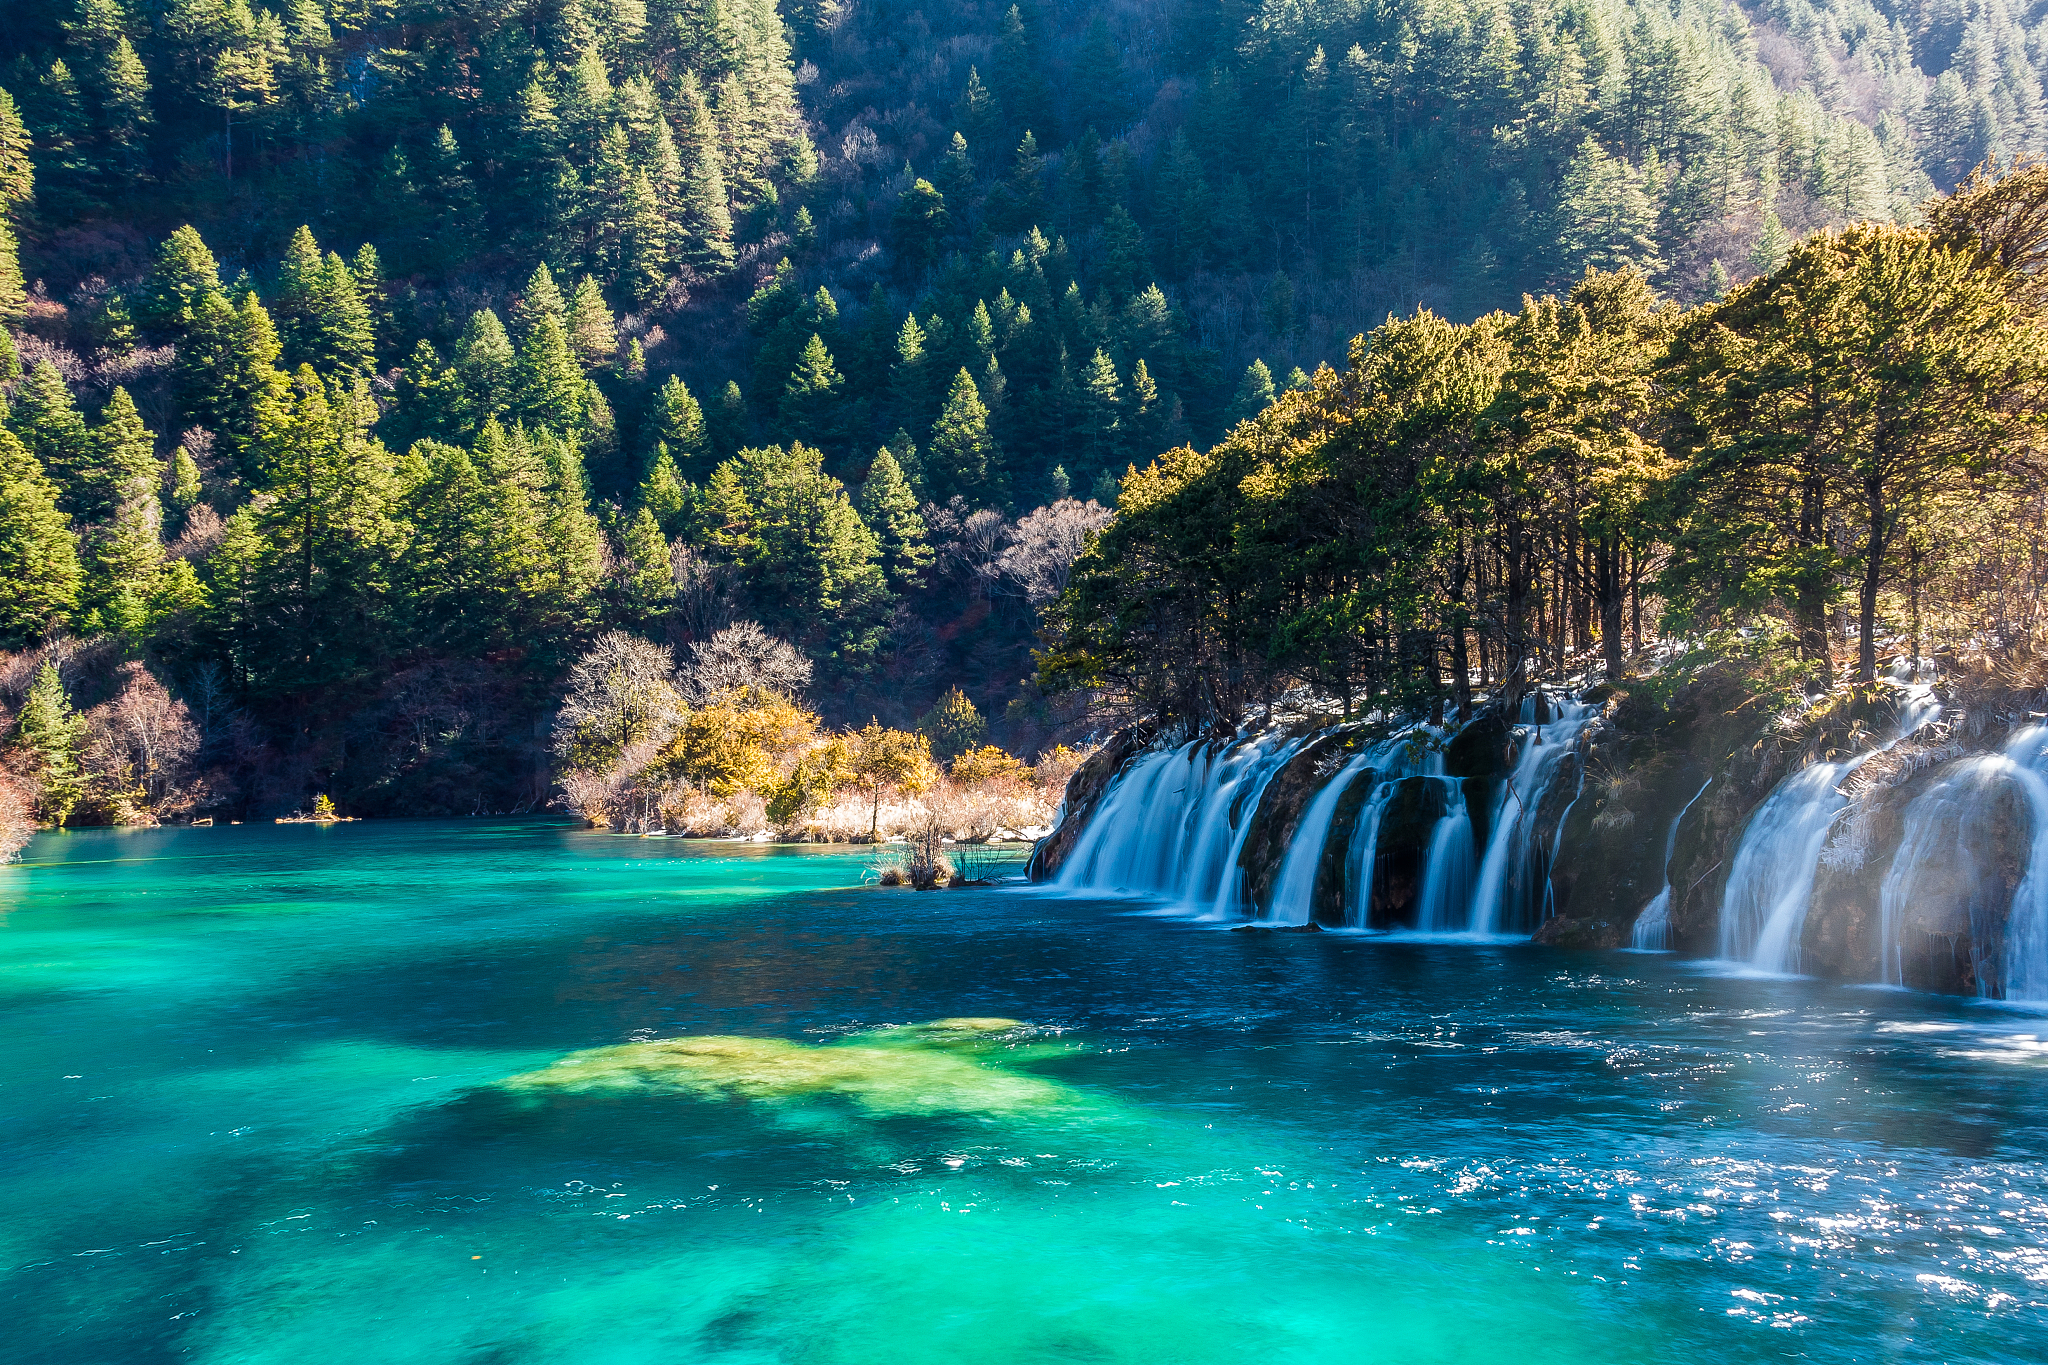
(291, 1094)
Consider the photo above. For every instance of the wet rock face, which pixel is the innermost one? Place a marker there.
(1085, 790)
(1412, 811)
(1611, 855)
(1280, 807)
(1332, 874)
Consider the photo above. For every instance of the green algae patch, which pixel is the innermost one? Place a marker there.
(910, 1069)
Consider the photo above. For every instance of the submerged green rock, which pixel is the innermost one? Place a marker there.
(909, 1069)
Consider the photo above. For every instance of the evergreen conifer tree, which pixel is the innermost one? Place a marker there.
(811, 396)
(593, 333)
(17, 168)
(182, 275)
(1254, 393)
(963, 454)
(675, 421)
(48, 738)
(38, 555)
(487, 367)
(664, 494)
(889, 508)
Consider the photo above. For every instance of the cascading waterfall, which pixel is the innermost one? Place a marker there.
(1175, 821)
(1945, 831)
(1295, 888)
(2024, 973)
(1514, 812)
(1770, 882)
(1444, 905)
(1652, 932)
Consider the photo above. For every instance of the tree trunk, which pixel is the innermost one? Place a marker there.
(1812, 608)
(1611, 587)
(1873, 577)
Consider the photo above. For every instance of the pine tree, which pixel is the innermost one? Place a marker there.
(292, 301)
(46, 419)
(339, 334)
(903, 450)
(488, 369)
(67, 181)
(676, 422)
(183, 274)
(184, 485)
(918, 230)
(725, 426)
(702, 216)
(13, 293)
(48, 738)
(963, 454)
(124, 464)
(649, 583)
(323, 582)
(810, 396)
(664, 494)
(226, 370)
(17, 168)
(38, 555)
(1103, 403)
(889, 508)
(1254, 393)
(551, 389)
(449, 198)
(124, 108)
(593, 333)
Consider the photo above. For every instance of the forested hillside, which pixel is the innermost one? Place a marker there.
(1837, 464)
(367, 359)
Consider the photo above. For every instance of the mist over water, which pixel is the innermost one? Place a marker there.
(517, 1092)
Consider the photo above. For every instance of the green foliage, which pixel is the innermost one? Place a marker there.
(810, 559)
(48, 738)
(953, 726)
(38, 555)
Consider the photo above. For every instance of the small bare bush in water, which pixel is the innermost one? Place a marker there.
(927, 866)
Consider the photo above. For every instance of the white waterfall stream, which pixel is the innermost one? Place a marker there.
(1173, 825)
(1294, 889)
(1652, 931)
(1514, 811)
(1173, 822)
(1770, 882)
(2024, 973)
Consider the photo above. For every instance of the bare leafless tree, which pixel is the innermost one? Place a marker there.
(1045, 544)
(744, 656)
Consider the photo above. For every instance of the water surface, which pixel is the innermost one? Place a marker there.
(299, 1095)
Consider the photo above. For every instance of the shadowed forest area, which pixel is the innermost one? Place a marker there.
(370, 363)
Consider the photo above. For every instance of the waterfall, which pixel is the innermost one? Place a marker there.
(1445, 902)
(1514, 810)
(2023, 975)
(1174, 821)
(1652, 931)
(1294, 889)
(1770, 883)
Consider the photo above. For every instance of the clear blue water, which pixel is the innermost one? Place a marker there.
(292, 1094)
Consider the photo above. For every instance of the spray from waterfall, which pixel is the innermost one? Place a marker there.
(1770, 881)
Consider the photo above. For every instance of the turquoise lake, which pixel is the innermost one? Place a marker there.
(518, 1092)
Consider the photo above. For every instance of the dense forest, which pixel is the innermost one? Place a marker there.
(1838, 464)
(369, 362)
